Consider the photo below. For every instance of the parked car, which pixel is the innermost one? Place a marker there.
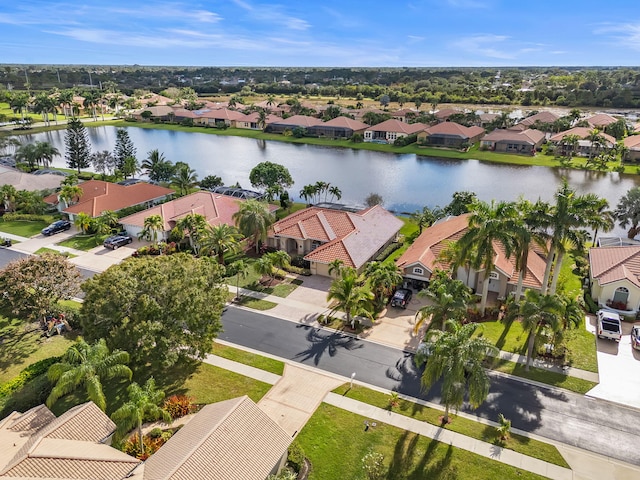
(117, 241)
(609, 325)
(56, 227)
(635, 337)
(401, 298)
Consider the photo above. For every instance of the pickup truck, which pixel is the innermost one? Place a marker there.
(609, 325)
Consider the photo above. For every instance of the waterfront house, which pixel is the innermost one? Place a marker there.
(450, 134)
(390, 130)
(339, 127)
(614, 273)
(290, 123)
(513, 141)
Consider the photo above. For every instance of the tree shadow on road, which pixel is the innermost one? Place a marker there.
(323, 342)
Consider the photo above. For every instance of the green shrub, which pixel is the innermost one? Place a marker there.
(392, 247)
(404, 141)
(590, 303)
(34, 393)
(10, 217)
(32, 371)
(155, 433)
(295, 456)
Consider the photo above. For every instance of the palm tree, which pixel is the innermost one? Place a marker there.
(488, 224)
(383, 278)
(448, 300)
(253, 219)
(241, 269)
(350, 295)
(153, 224)
(83, 221)
(45, 152)
(87, 365)
(424, 218)
(106, 222)
(455, 256)
(8, 195)
(154, 165)
(143, 404)
(185, 178)
(307, 192)
(129, 167)
(538, 313)
(570, 143)
(71, 194)
(456, 357)
(220, 239)
(264, 267)
(193, 224)
(262, 118)
(27, 153)
(336, 193)
(335, 266)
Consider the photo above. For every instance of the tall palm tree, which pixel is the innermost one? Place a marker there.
(153, 224)
(455, 256)
(88, 366)
(83, 221)
(448, 300)
(185, 178)
(456, 357)
(350, 296)
(570, 144)
(489, 224)
(71, 194)
(241, 269)
(307, 192)
(193, 224)
(383, 278)
(155, 165)
(253, 219)
(143, 404)
(262, 118)
(45, 152)
(220, 239)
(27, 153)
(335, 266)
(424, 218)
(335, 192)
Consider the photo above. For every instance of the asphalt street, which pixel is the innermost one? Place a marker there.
(587, 423)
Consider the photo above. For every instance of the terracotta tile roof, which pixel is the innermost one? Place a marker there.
(271, 118)
(215, 207)
(632, 142)
(582, 132)
(98, 196)
(397, 126)
(488, 117)
(446, 113)
(613, 264)
(528, 136)
(425, 250)
(156, 111)
(180, 112)
(220, 114)
(403, 113)
(228, 440)
(300, 121)
(601, 120)
(542, 117)
(345, 122)
(453, 128)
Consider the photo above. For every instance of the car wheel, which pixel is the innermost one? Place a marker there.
(129, 241)
(115, 247)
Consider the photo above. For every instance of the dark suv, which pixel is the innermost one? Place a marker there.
(401, 298)
(117, 241)
(56, 227)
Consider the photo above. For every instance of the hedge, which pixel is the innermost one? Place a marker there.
(392, 247)
(32, 371)
(10, 217)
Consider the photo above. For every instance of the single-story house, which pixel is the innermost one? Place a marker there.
(160, 112)
(615, 277)
(322, 235)
(404, 115)
(28, 181)
(99, 196)
(390, 130)
(339, 127)
(513, 141)
(422, 257)
(632, 142)
(215, 207)
(76, 445)
(252, 121)
(540, 117)
(601, 120)
(584, 145)
(229, 440)
(444, 114)
(212, 117)
(487, 118)
(450, 134)
(292, 122)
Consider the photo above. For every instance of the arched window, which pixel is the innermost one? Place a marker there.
(418, 271)
(620, 298)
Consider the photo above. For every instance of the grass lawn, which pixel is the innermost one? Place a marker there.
(335, 442)
(248, 358)
(255, 303)
(81, 242)
(252, 280)
(479, 431)
(295, 207)
(574, 384)
(23, 228)
(42, 250)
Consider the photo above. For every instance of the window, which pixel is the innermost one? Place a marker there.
(494, 276)
(418, 271)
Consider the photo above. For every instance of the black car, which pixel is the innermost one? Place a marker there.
(56, 227)
(117, 241)
(401, 298)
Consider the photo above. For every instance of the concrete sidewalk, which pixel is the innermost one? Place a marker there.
(293, 384)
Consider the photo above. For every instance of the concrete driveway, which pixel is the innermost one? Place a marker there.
(618, 367)
(39, 241)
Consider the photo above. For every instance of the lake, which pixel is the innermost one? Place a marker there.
(406, 182)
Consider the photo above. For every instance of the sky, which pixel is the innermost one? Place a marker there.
(341, 33)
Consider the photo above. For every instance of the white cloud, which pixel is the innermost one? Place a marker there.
(625, 34)
(270, 14)
(495, 46)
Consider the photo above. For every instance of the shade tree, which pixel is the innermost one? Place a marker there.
(267, 175)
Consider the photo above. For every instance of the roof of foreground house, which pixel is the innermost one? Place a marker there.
(632, 142)
(601, 120)
(582, 132)
(37, 445)
(299, 121)
(228, 440)
(351, 237)
(542, 117)
(613, 264)
(454, 129)
(345, 122)
(397, 126)
(528, 136)
(426, 249)
(215, 207)
(28, 181)
(99, 196)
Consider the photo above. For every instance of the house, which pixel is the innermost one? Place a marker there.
(419, 261)
(450, 134)
(322, 235)
(615, 277)
(584, 146)
(99, 196)
(444, 114)
(76, 445)
(28, 181)
(633, 144)
(213, 117)
(160, 112)
(252, 121)
(601, 120)
(390, 130)
(487, 118)
(540, 117)
(295, 121)
(339, 127)
(404, 115)
(228, 440)
(215, 207)
(512, 141)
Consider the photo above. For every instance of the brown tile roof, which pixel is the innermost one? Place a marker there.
(452, 128)
(528, 136)
(488, 117)
(98, 196)
(345, 122)
(300, 120)
(446, 113)
(28, 181)
(184, 113)
(220, 114)
(215, 207)
(613, 264)
(397, 126)
(228, 440)
(632, 142)
(271, 118)
(542, 117)
(601, 120)
(157, 110)
(350, 237)
(582, 132)
(426, 249)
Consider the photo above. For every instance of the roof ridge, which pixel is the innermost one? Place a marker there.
(621, 262)
(328, 229)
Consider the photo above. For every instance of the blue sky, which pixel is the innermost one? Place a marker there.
(323, 33)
